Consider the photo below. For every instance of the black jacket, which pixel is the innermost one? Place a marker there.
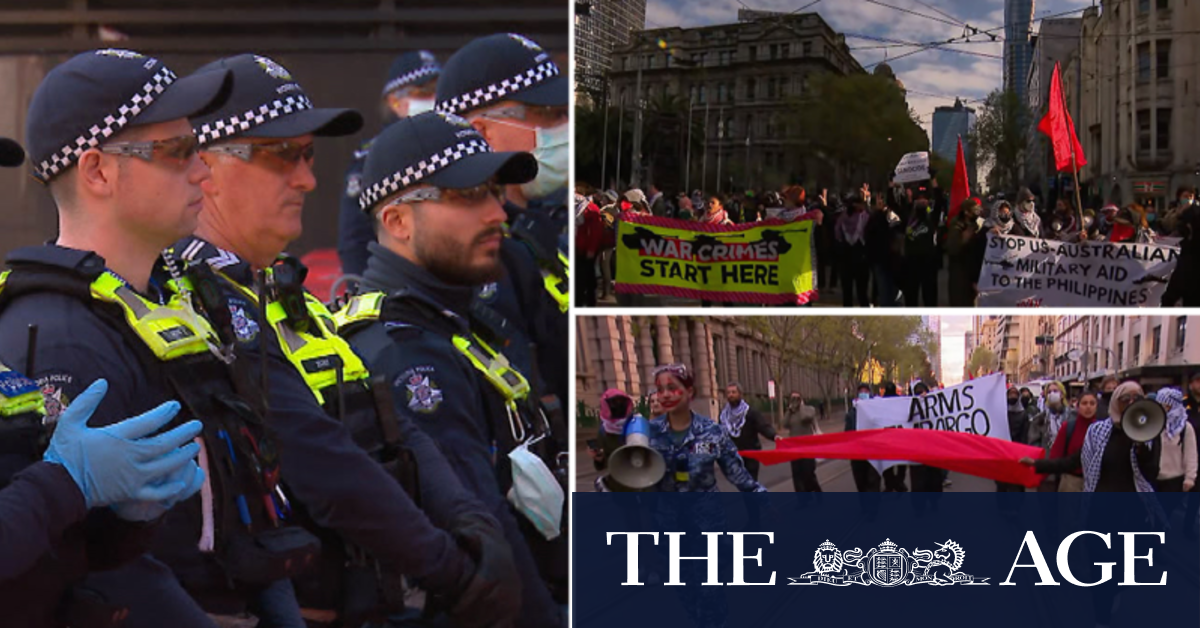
(452, 402)
(754, 427)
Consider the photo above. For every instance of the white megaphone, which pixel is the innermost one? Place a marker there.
(637, 465)
(1143, 420)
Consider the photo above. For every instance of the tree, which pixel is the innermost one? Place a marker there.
(983, 360)
(860, 123)
(999, 139)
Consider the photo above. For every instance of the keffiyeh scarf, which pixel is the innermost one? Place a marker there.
(1172, 400)
(1030, 222)
(1093, 452)
(734, 419)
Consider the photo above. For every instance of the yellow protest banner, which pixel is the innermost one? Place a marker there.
(764, 262)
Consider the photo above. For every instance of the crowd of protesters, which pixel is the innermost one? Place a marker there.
(887, 249)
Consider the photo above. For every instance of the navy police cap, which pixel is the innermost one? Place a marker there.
(505, 66)
(11, 154)
(92, 96)
(267, 102)
(438, 149)
(413, 68)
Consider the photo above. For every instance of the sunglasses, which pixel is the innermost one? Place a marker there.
(547, 115)
(289, 153)
(176, 151)
(454, 196)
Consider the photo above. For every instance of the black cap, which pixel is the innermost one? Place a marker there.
(504, 66)
(11, 153)
(267, 102)
(417, 67)
(90, 97)
(439, 149)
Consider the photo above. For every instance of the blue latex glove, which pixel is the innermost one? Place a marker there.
(189, 477)
(121, 462)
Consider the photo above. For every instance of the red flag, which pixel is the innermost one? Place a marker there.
(981, 456)
(960, 188)
(1058, 125)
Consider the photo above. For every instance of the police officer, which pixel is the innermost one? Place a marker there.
(262, 172)
(107, 133)
(121, 466)
(515, 96)
(410, 89)
(431, 185)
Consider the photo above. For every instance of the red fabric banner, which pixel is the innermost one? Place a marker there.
(1061, 129)
(981, 456)
(960, 187)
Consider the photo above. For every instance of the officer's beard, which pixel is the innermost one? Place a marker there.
(449, 260)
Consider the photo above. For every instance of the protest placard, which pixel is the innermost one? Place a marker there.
(765, 262)
(913, 167)
(977, 406)
(1032, 272)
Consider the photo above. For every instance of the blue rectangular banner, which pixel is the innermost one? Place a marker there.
(1060, 560)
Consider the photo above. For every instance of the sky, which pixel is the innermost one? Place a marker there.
(933, 77)
(954, 328)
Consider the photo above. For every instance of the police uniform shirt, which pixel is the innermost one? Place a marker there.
(75, 347)
(355, 231)
(451, 401)
(340, 485)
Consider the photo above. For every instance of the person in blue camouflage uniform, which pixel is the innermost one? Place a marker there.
(692, 445)
(409, 90)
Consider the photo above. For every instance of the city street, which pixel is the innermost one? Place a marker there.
(834, 475)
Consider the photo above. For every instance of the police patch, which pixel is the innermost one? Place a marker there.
(525, 41)
(53, 396)
(119, 53)
(245, 328)
(422, 392)
(354, 185)
(274, 70)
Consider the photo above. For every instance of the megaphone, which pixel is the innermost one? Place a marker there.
(637, 465)
(1143, 420)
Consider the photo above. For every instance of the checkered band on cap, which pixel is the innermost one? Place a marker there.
(212, 131)
(405, 79)
(497, 91)
(69, 154)
(414, 173)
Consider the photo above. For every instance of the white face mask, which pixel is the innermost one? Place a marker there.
(1054, 399)
(552, 156)
(551, 146)
(419, 105)
(535, 492)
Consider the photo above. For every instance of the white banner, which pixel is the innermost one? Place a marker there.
(913, 167)
(1031, 272)
(978, 406)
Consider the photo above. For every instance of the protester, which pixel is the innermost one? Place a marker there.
(1107, 385)
(1018, 427)
(884, 241)
(691, 444)
(715, 213)
(1174, 222)
(1064, 223)
(1027, 216)
(589, 240)
(1055, 411)
(1177, 466)
(801, 420)
(925, 479)
(745, 425)
(893, 477)
(655, 201)
(1192, 404)
(922, 251)
(866, 478)
(850, 236)
(1130, 225)
(966, 244)
(1107, 464)
(1064, 457)
(1185, 224)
